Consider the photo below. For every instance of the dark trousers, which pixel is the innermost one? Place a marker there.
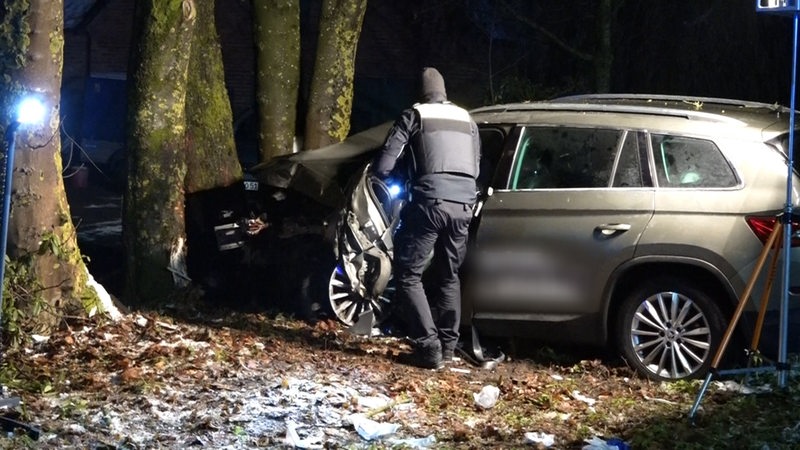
(441, 227)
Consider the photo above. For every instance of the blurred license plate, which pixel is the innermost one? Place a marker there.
(251, 185)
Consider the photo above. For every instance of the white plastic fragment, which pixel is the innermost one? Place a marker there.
(733, 386)
(487, 397)
(293, 439)
(105, 298)
(369, 429)
(557, 377)
(373, 402)
(580, 397)
(38, 338)
(420, 443)
(536, 437)
(76, 428)
(597, 443)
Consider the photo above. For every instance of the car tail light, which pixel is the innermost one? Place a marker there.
(762, 226)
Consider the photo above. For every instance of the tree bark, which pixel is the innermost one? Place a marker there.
(45, 271)
(331, 99)
(213, 172)
(212, 160)
(153, 228)
(277, 40)
(604, 54)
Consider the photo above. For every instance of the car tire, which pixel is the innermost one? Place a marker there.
(347, 305)
(669, 330)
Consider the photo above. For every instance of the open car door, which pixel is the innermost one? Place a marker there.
(360, 284)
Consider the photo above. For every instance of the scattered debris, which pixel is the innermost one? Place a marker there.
(487, 397)
(580, 397)
(544, 439)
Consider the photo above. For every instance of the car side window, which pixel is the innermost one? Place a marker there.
(684, 162)
(492, 141)
(563, 157)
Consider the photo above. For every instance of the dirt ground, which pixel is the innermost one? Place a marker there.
(252, 381)
(217, 379)
(208, 377)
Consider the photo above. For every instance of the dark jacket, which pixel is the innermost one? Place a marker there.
(440, 145)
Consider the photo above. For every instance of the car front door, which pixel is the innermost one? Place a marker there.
(568, 207)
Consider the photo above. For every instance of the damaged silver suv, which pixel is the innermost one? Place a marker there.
(628, 220)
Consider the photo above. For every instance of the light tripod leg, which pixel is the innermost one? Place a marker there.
(738, 313)
(700, 395)
(762, 312)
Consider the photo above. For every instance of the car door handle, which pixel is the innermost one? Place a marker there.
(610, 229)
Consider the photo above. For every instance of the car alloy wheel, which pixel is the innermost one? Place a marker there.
(347, 304)
(670, 335)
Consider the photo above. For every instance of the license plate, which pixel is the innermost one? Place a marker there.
(251, 185)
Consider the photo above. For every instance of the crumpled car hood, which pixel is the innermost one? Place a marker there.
(323, 174)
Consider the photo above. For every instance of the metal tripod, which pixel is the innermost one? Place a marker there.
(781, 366)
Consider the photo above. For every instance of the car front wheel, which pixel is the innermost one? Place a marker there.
(347, 304)
(669, 330)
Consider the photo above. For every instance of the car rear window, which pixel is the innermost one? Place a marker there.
(684, 162)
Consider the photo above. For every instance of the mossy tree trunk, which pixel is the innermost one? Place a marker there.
(213, 172)
(277, 40)
(213, 162)
(153, 228)
(331, 99)
(46, 273)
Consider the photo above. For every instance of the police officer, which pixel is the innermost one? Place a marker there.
(439, 144)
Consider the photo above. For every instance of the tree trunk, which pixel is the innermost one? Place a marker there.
(45, 271)
(153, 233)
(277, 39)
(213, 161)
(604, 54)
(331, 100)
(213, 172)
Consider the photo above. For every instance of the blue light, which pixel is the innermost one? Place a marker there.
(395, 190)
(30, 111)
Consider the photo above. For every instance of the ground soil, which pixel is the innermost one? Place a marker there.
(195, 375)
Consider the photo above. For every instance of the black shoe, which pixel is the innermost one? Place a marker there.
(424, 357)
(448, 355)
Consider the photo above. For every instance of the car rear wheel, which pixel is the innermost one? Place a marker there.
(347, 304)
(669, 330)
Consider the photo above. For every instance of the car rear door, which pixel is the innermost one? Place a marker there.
(568, 206)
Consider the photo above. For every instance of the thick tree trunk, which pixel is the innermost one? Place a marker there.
(46, 272)
(277, 39)
(153, 232)
(331, 100)
(213, 175)
(213, 161)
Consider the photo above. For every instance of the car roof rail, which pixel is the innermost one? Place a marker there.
(690, 101)
(621, 109)
(689, 107)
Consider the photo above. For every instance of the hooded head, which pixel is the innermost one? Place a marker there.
(432, 86)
